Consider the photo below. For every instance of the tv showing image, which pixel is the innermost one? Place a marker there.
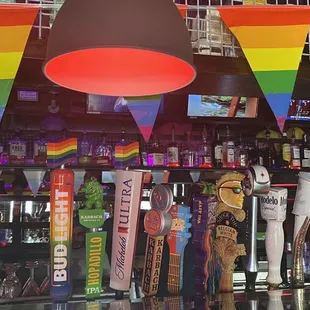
(221, 106)
(299, 110)
(97, 104)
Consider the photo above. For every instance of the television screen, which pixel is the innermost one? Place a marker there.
(299, 110)
(97, 104)
(221, 106)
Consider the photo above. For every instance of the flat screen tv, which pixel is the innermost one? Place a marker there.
(221, 106)
(299, 110)
(98, 104)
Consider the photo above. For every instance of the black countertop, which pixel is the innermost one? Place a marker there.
(274, 300)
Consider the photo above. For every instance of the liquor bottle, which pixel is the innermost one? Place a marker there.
(84, 150)
(305, 153)
(241, 155)
(173, 156)
(155, 155)
(218, 151)
(17, 149)
(104, 151)
(286, 152)
(295, 152)
(228, 151)
(40, 149)
(189, 152)
(205, 151)
(270, 152)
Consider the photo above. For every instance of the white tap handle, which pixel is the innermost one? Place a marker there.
(275, 302)
(274, 249)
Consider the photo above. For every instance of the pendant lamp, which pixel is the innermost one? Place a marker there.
(120, 48)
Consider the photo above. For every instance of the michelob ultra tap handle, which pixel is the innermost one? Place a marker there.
(273, 210)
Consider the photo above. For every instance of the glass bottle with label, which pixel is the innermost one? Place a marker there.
(40, 149)
(17, 149)
(205, 151)
(305, 153)
(295, 152)
(241, 155)
(155, 155)
(104, 152)
(228, 151)
(270, 152)
(85, 150)
(188, 152)
(218, 151)
(286, 152)
(173, 152)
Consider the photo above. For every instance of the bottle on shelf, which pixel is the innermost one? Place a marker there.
(17, 149)
(295, 152)
(40, 149)
(286, 152)
(104, 151)
(242, 157)
(305, 153)
(218, 151)
(205, 154)
(228, 150)
(4, 156)
(270, 152)
(84, 150)
(189, 152)
(155, 155)
(173, 152)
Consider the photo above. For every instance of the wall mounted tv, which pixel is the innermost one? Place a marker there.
(98, 104)
(221, 106)
(299, 110)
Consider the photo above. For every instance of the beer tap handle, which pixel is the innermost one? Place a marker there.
(274, 249)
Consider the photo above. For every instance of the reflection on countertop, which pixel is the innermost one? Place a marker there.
(272, 300)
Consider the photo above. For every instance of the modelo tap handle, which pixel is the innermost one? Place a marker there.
(273, 210)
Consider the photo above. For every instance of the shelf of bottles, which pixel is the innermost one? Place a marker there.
(206, 152)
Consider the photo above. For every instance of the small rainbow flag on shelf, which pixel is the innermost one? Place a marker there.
(272, 38)
(126, 155)
(61, 153)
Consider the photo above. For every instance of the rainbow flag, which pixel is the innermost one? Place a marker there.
(144, 110)
(126, 155)
(272, 39)
(16, 21)
(61, 153)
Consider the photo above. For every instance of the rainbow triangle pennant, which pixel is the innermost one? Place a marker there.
(144, 110)
(272, 39)
(16, 21)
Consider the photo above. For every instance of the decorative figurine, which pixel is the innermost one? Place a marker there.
(93, 194)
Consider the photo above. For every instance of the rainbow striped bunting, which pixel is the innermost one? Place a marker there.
(272, 39)
(16, 21)
(126, 155)
(144, 110)
(61, 153)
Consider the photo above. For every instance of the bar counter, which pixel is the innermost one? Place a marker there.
(272, 300)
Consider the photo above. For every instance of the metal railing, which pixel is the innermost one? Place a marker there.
(208, 33)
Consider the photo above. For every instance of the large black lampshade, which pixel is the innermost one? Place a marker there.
(120, 47)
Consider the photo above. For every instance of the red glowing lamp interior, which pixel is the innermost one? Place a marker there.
(119, 71)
